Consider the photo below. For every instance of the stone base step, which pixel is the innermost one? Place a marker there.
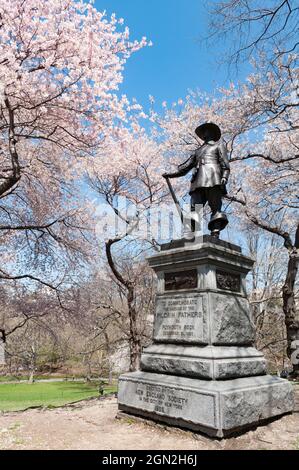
(207, 362)
(217, 408)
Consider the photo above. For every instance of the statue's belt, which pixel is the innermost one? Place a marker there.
(206, 161)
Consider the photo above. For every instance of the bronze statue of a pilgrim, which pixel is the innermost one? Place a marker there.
(211, 171)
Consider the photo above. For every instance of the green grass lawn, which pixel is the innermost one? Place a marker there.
(15, 397)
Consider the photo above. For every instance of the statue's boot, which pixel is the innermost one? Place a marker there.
(217, 223)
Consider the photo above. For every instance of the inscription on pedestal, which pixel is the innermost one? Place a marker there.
(162, 399)
(179, 318)
(171, 401)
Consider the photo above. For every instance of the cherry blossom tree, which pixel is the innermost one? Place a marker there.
(129, 169)
(265, 282)
(60, 68)
(269, 193)
(254, 27)
(266, 33)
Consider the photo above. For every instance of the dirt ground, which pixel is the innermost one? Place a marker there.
(93, 425)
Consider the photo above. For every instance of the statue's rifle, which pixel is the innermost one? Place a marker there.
(175, 200)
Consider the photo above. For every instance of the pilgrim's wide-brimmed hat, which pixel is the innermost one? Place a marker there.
(213, 129)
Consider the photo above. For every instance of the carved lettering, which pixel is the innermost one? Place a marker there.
(162, 398)
(179, 318)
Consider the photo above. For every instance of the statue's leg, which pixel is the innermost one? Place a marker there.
(198, 196)
(215, 199)
(215, 202)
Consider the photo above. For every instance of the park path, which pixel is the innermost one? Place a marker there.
(25, 381)
(93, 425)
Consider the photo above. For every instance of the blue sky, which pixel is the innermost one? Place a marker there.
(178, 60)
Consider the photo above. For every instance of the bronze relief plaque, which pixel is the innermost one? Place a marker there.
(181, 280)
(228, 281)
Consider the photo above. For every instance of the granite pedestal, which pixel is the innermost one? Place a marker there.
(202, 371)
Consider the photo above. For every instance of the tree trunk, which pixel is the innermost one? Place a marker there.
(134, 343)
(31, 377)
(32, 364)
(88, 373)
(134, 339)
(109, 353)
(289, 309)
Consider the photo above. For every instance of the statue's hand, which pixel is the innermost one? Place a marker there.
(223, 181)
(166, 175)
